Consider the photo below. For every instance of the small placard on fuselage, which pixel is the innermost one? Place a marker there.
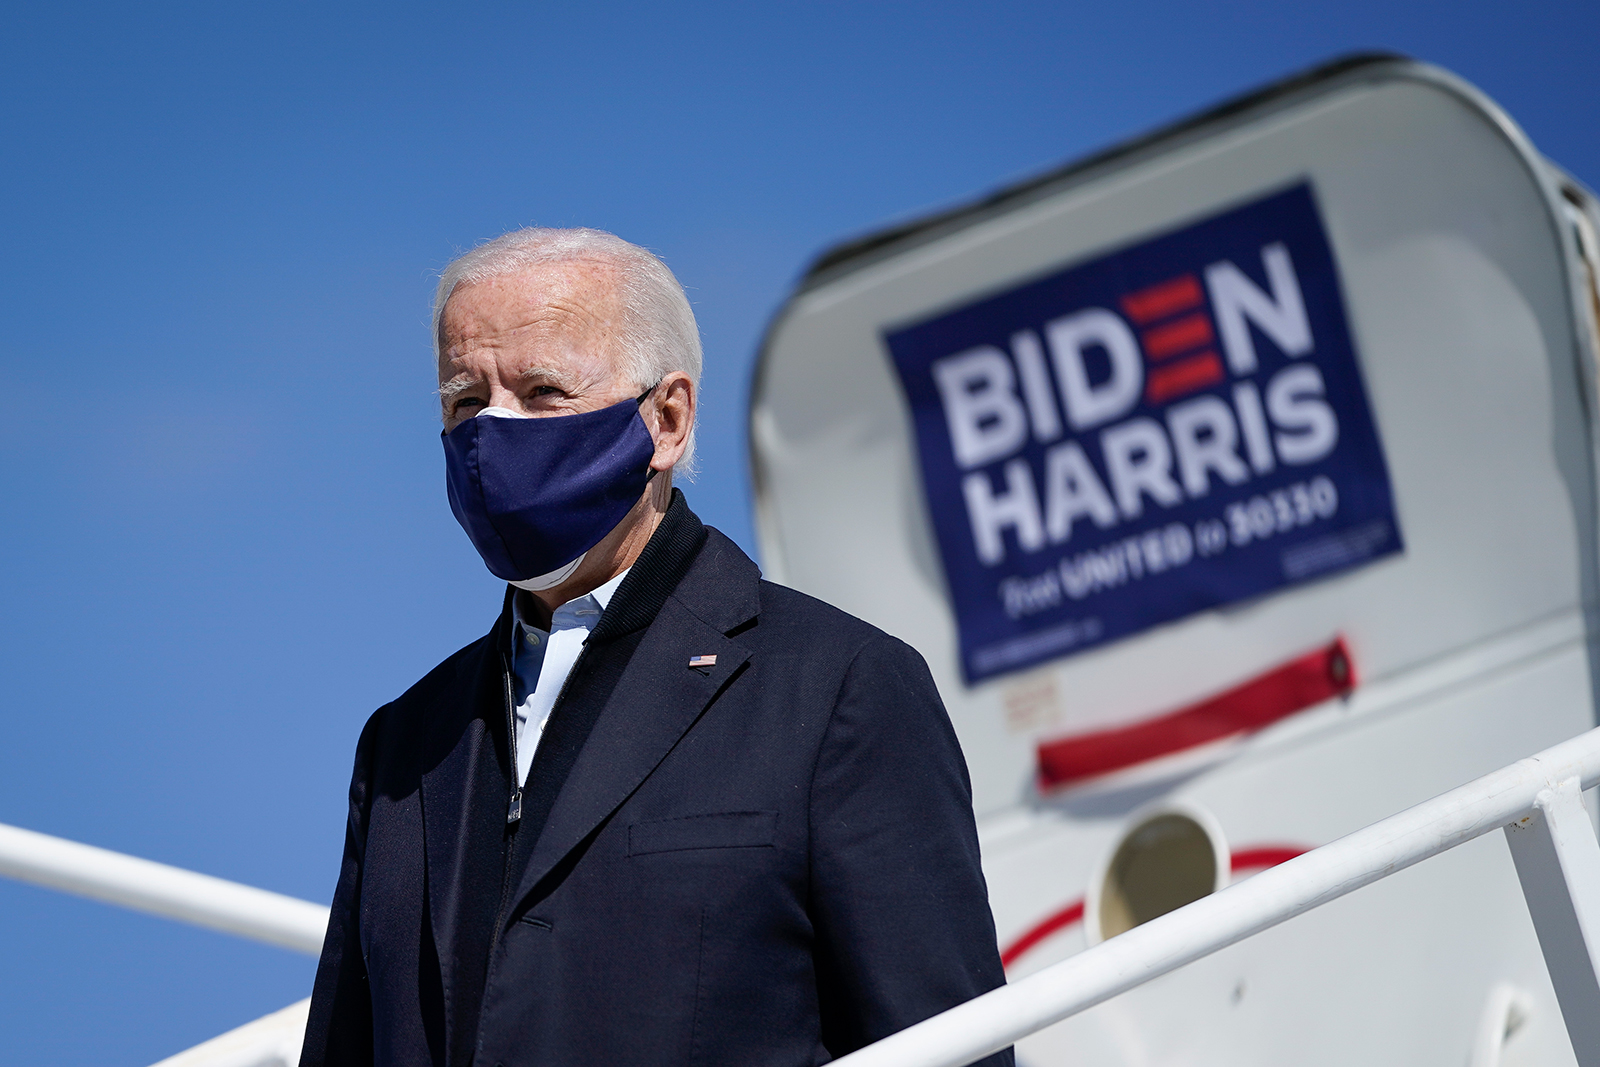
(1165, 429)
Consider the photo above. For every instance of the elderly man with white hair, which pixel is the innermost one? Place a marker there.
(664, 812)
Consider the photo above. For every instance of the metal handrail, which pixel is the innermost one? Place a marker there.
(145, 885)
(1537, 800)
(270, 1041)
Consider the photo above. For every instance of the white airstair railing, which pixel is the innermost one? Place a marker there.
(1537, 801)
(173, 892)
(143, 885)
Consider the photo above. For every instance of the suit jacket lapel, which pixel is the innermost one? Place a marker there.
(465, 783)
(657, 699)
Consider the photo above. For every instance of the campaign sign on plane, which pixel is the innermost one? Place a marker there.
(1171, 427)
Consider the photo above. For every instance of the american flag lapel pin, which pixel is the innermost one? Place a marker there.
(700, 663)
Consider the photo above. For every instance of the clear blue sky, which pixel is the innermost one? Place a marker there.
(225, 536)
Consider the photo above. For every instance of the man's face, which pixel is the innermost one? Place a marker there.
(539, 343)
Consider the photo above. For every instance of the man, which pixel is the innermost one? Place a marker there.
(664, 812)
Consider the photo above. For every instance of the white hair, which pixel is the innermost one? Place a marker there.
(657, 334)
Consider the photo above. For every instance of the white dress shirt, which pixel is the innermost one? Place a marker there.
(544, 658)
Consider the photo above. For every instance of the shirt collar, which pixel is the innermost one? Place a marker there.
(601, 597)
(607, 591)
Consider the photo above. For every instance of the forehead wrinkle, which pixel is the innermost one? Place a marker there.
(572, 294)
(573, 325)
(576, 325)
(574, 306)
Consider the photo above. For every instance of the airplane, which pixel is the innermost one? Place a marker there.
(1238, 484)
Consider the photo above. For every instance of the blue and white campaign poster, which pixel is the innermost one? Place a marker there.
(1174, 426)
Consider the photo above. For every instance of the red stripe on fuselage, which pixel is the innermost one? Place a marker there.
(1247, 859)
(1293, 686)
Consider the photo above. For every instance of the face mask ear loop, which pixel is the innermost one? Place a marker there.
(652, 472)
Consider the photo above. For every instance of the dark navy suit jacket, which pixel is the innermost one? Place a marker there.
(769, 860)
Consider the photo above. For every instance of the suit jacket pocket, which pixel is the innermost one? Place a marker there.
(725, 829)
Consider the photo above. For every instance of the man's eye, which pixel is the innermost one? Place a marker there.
(545, 390)
(459, 405)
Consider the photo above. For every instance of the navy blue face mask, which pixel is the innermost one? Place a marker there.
(535, 494)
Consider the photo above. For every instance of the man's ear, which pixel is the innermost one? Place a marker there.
(673, 402)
